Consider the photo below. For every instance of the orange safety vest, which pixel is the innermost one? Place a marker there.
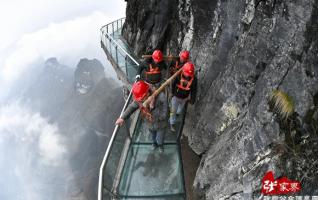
(153, 74)
(153, 70)
(185, 84)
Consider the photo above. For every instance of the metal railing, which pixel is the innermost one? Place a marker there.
(118, 53)
(116, 49)
(107, 154)
(109, 169)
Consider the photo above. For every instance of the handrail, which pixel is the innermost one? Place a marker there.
(107, 38)
(112, 22)
(125, 52)
(114, 41)
(110, 145)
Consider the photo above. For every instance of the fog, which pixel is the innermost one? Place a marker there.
(52, 137)
(37, 30)
(31, 151)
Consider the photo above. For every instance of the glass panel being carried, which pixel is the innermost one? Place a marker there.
(148, 172)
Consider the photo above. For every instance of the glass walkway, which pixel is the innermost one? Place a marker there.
(117, 51)
(130, 168)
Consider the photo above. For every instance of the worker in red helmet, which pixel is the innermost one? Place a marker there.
(155, 114)
(153, 71)
(184, 56)
(183, 89)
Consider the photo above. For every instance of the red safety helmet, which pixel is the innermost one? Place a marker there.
(188, 69)
(140, 89)
(157, 56)
(184, 56)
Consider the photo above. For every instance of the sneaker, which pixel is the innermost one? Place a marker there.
(161, 150)
(154, 146)
(172, 128)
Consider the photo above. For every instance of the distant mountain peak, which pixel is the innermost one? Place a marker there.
(87, 74)
(91, 64)
(52, 61)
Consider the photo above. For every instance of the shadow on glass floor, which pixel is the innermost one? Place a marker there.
(142, 135)
(150, 174)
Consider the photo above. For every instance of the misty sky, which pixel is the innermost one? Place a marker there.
(35, 30)
(32, 148)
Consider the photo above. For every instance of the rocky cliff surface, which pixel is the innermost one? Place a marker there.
(242, 50)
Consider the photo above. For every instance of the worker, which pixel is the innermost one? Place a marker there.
(179, 62)
(183, 89)
(155, 114)
(152, 73)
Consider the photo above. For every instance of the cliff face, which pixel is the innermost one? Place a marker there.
(242, 51)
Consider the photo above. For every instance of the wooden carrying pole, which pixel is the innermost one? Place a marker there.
(170, 57)
(161, 88)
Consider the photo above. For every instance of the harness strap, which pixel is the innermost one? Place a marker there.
(153, 70)
(185, 84)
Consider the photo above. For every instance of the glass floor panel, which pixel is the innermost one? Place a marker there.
(150, 173)
(121, 62)
(116, 34)
(132, 71)
(132, 68)
(143, 135)
(122, 42)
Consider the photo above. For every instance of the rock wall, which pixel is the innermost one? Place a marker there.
(242, 51)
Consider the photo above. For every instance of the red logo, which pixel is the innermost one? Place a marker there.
(283, 185)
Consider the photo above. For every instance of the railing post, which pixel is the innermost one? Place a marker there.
(104, 38)
(116, 54)
(106, 41)
(110, 46)
(107, 44)
(101, 36)
(108, 38)
(126, 66)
